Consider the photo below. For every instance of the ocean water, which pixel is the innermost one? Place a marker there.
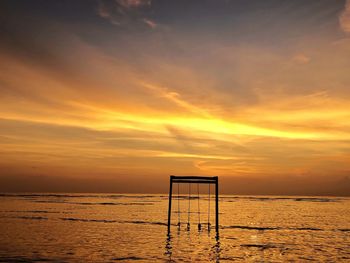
(132, 228)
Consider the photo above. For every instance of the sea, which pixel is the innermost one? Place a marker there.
(133, 228)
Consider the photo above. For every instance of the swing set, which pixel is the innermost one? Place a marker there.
(194, 180)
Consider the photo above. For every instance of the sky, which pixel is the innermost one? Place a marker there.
(115, 96)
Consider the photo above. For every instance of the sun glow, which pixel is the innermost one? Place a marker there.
(135, 95)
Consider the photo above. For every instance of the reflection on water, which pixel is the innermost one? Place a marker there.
(168, 246)
(214, 254)
(127, 228)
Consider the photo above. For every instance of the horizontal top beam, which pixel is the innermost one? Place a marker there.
(204, 178)
(195, 181)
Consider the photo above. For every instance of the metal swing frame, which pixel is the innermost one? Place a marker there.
(195, 180)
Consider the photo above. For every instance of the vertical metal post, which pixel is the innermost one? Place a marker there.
(217, 205)
(170, 199)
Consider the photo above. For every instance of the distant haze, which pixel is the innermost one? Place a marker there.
(114, 96)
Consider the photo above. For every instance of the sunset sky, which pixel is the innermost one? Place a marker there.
(117, 95)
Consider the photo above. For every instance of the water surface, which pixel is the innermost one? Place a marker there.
(132, 228)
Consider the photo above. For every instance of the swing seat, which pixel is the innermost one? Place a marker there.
(188, 226)
(199, 227)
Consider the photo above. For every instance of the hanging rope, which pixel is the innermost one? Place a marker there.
(178, 205)
(189, 206)
(209, 208)
(199, 210)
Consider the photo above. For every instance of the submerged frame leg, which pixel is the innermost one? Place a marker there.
(217, 206)
(170, 199)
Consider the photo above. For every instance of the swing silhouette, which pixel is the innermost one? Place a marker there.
(194, 180)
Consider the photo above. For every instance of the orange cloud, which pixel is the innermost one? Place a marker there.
(344, 18)
(161, 103)
(301, 59)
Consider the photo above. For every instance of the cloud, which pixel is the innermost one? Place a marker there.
(147, 102)
(150, 23)
(105, 13)
(134, 3)
(175, 98)
(301, 59)
(344, 18)
(126, 12)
